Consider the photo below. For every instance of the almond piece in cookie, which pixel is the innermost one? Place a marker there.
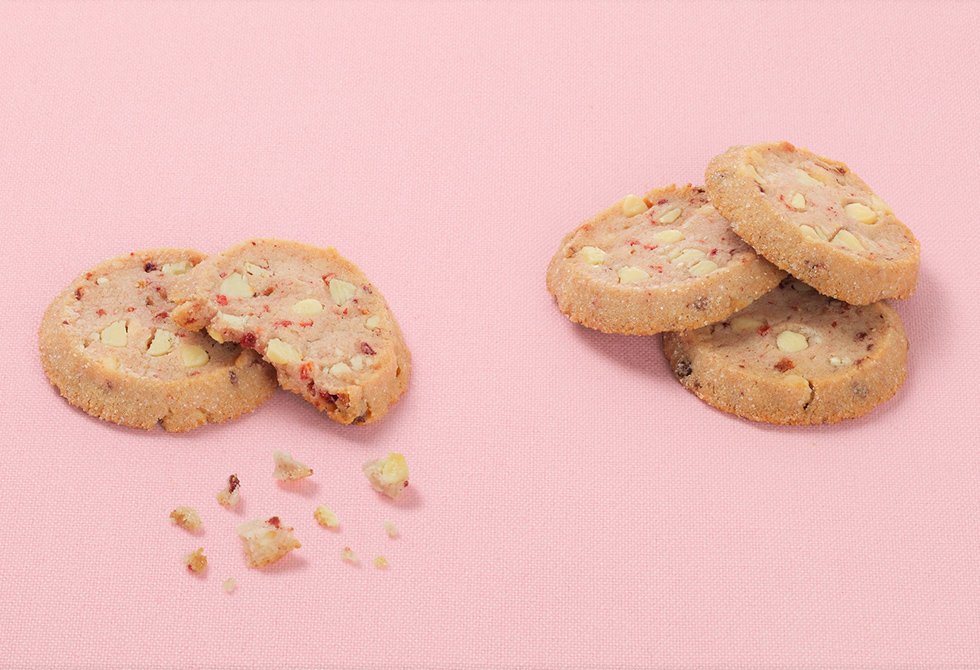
(815, 219)
(794, 357)
(109, 344)
(667, 261)
(388, 475)
(265, 541)
(309, 312)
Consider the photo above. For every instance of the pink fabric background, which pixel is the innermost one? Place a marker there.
(571, 505)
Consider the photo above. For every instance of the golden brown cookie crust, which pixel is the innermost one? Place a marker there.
(87, 373)
(672, 298)
(884, 263)
(855, 359)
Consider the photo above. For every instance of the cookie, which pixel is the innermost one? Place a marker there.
(815, 219)
(794, 357)
(312, 314)
(110, 346)
(667, 261)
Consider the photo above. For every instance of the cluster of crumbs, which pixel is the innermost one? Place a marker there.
(196, 561)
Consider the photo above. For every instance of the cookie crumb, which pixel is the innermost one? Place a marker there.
(196, 561)
(325, 517)
(228, 585)
(229, 495)
(347, 555)
(388, 475)
(390, 528)
(380, 562)
(186, 517)
(288, 468)
(265, 541)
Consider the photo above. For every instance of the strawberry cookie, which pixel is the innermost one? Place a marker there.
(109, 344)
(815, 219)
(794, 357)
(308, 311)
(666, 261)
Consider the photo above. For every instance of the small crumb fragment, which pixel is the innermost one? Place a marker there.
(265, 541)
(196, 562)
(186, 517)
(390, 528)
(388, 475)
(288, 468)
(229, 585)
(347, 555)
(325, 517)
(229, 495)
(380, 562)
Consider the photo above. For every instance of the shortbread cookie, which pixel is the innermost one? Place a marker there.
(815, 219)
(794, 357)
(309, 312)
(667, 261)
(110, 346)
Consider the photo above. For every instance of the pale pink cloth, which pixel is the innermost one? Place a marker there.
(571, 505)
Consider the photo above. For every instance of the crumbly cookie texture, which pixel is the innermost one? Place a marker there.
(228, 496)
(109, 344)
(288, 468)
(388, 475)
(794, 357)
(666, 261)
(308, 311)
(196, 561)
(815, 219)
(186, 517)
(265, 541)
(325, 517)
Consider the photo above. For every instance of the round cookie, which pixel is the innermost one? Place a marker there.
(794, 357)
(312, 314)
(110, 346)
(667, 261)
(815, 219)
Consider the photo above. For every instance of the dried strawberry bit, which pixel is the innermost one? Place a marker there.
(784, 365)
(712, 252)
(130, 309)
(160, 315)
(222, 274)
(366, 349)
(233, 378)
(100, 312)
(305, 324)
(233, 483)
(833, 324)
(305, 369)
(763, 330)
(860, 336)
(366, 288)
(221, 300)
(283, 324)
(149, 267)
(274, 521)
(268, 291)
(248, 340)
(662, 201)
(79, 292)
(266, 308)
(326, 277)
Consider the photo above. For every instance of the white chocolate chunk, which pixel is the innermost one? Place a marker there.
(629, 274)
(632, 205)
(373, 322)
(592, 255)
(703, 268)
(102, 280)
(880, 205)
(388, 475)
(235, 286)
(256, 270)
(281, 353)
(357, 362)
(798, 202)
(668, 236)
(670, 216)
(340, 370)
(752, 172)
(193, 356)
(115, 334)
(176, 268)
(226, 322)
(791, 342)
(689, 256)
(804, 177)
(845, 238)
(755, 157)
(838, 361)
(861, 213)
(745, 324)
(341, 291)
(809, 232)
(162, 343)
(368, 360)
(308, 307)
(110, 364)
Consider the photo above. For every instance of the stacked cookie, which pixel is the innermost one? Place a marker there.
(708, 267)
(126, 340)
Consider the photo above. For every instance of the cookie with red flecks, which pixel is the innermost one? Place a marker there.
(666, 261)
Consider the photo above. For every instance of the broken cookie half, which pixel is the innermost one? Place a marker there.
(794, 357)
